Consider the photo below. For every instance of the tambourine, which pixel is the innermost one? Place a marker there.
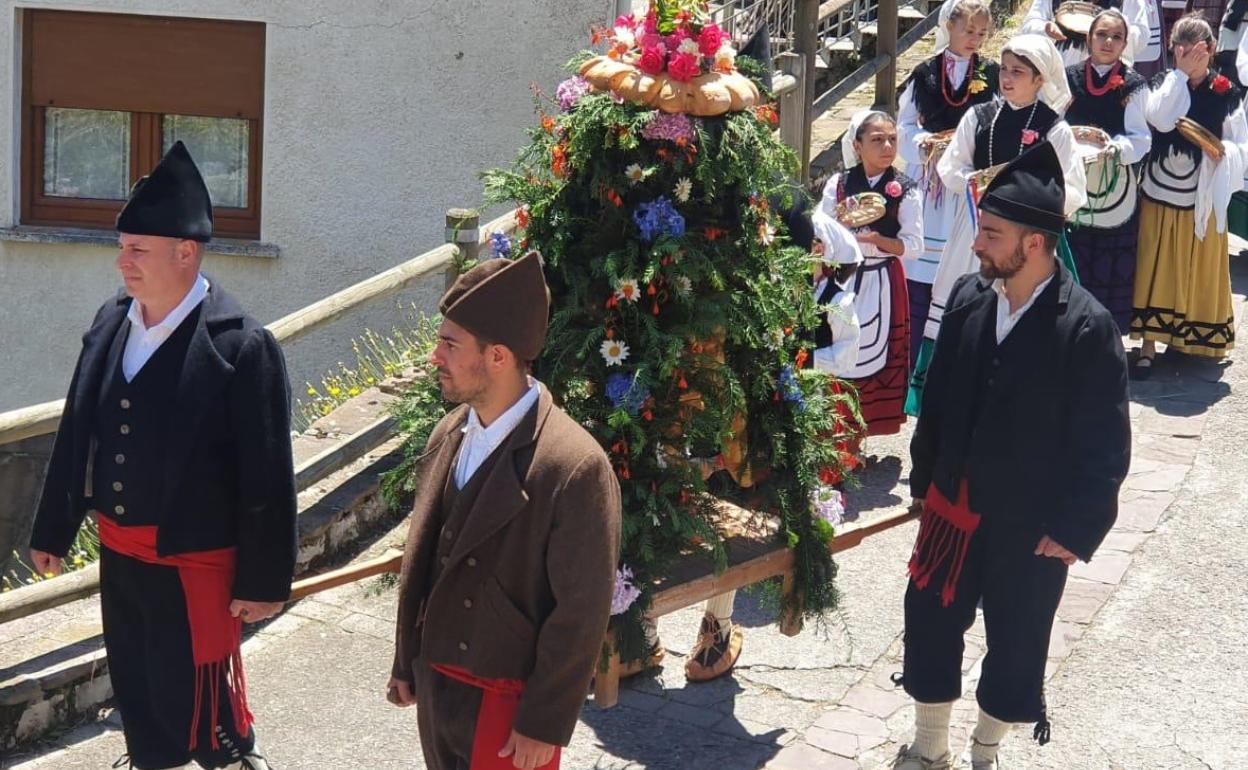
(1092, 144)
(1200, 136)
(983, 177)
(860, 210)
(936, 144)
(1075, 17)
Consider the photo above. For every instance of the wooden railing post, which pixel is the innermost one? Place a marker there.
(463, 229)
(806, 42)
(886, 44)
(794, 107)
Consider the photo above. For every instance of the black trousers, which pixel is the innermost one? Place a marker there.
(1019, 592)
(148, 640)
(446, 714)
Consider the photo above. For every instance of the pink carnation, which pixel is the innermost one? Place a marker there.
(651, 24)
(1030, 136)
(628, 21)
(651, 61)
(653, 40)
(710, 39)
(893, 189)
(676, 38)
(683, 67)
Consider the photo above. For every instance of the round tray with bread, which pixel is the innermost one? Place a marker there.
(1200, 136)
(860, 210)
(1075, 17)
(714, 93)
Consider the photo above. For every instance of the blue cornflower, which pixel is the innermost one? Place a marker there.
(500, 245)
(789, 388)
(625, 392)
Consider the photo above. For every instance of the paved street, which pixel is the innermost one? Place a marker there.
(1147, 657)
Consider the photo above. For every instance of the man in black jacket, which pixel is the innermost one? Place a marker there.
(176, 434)
(1022, 445)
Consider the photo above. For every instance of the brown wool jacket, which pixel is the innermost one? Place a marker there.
(526, 591)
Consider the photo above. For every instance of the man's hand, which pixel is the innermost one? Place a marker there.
(1051, 548)
(1052, 30)
(918, 505)
(529, 753)
(399, 692)
(45, 563)
(254, 612)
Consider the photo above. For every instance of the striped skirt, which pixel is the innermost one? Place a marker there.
(1105, 260)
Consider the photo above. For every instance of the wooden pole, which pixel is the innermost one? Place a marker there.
(390, 561)
(794, 108)
(463, 229)
(886, 44)
(806, 42)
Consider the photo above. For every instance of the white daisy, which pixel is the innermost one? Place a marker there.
(625, 38)
(627, 290)
(613, 352)
(683, 286)
(635, 173)
(689, 46)
(684, 188)
(766, 234)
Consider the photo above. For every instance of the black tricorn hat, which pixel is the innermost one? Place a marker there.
(172, 201)
(1030, 191)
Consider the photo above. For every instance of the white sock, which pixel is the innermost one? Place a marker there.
(721, 608)
(987, 737)
(931, 729)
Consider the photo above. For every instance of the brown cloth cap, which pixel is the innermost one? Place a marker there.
(503, 301)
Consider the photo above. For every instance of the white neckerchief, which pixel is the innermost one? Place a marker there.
(480, 441)
(1101, 69)
(1006, 321)
(142, 343)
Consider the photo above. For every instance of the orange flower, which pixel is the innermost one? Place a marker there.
(615, 198)
(802, 355)
(548, 124)
(767, 114)
(522, 217)
(651, 290)
(647, 415)
(597, 34)
(713, 233)
(723, 65)
(662, 153)
(559, 160)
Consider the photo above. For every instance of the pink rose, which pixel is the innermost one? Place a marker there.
(710, 39)
(683, 67)
(653, 40)
(1029, 136)
(651, 24)
(676, 38)
(893, 189)
(651, 61)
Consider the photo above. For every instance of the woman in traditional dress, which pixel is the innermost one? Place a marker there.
(1033, 90)
(1109, 95)
(1182, 279)
(1041, 20)
(935, 97)
(882, 368)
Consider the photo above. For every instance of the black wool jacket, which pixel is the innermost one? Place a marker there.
(1039, 424)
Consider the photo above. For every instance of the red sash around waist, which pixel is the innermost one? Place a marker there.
(499, 703)
(216, 636)
(945, 531)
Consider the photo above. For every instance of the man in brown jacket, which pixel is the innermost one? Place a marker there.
(511, 553)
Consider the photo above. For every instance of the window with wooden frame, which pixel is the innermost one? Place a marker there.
(105, 95)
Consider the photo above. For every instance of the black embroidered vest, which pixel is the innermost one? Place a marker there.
(1007, 139)
(132, 425)
(1208, 108)
(1107, 111)
(935, 112)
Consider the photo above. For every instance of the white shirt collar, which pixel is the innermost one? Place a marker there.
(507, 421)
(1006, 321)
(874, 180)
(1101, 69)
(1026, 106)
(198, 292)
(955, 57)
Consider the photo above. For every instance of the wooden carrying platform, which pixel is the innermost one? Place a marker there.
(754, 555)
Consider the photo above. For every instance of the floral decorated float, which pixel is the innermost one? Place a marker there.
(652, 187)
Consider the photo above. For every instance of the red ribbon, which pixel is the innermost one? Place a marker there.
(216, 636)
(499, 704)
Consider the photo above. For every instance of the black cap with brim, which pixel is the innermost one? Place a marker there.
(1030, 191)
(172, 201)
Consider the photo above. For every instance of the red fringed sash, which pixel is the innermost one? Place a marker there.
(216, 636)
(494, 719)
(945, 531)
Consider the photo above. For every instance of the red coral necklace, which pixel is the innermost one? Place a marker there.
(1109, 81)
(945, 85)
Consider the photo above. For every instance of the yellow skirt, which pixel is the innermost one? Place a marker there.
(1182, 285)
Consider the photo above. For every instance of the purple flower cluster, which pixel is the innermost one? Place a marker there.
(670, 126)
(500, 246)
(571, 90)
(828, 504)
(659, 217)
(625, 392)
(789, 388)
(625, 592)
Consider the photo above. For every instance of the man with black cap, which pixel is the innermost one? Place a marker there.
(510, 562)
(176, 434)
(1018, 455)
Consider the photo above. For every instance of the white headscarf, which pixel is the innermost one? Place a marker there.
(1043, 55)
(840, 247)
(849, 156)
(942, 24)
